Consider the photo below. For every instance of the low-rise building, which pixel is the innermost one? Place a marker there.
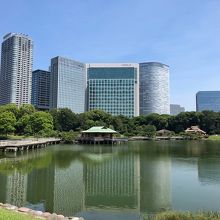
(175, 109)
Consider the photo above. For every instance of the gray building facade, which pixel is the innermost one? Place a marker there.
(68, 84)
(208, 100)
(16, 69)
(114, 88)
(154, 88)
(41, 81)
(176, 109)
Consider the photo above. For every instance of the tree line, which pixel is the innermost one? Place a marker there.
(26, 120)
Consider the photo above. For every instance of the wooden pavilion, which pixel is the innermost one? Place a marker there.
(195, 130)
(98, 135)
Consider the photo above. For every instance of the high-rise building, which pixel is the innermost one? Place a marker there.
(114, 88)
(154, 88)
(208, 100)
(41, 89)
(176, 109)
(16, 69)
(68, 84)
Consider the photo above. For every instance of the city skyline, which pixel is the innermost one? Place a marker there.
(184, 36)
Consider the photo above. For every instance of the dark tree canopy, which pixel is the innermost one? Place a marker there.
(27, 120)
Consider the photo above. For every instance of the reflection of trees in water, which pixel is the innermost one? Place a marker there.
(3, 183)
(25, 163)
(176, 148)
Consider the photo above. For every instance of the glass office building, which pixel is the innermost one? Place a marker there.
(16, 69)
(114, 88)
(154, 88)
(68, 84)
(208, 100)
(41, 89)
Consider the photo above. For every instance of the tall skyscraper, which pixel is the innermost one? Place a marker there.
(68, 84)
(208, 100)
(16, 69)
(41, 89)
(114, 88)
(176, 109)
(154, 88)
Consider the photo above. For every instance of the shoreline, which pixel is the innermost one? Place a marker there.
(35, 213)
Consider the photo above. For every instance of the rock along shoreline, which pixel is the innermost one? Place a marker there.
(38, 214)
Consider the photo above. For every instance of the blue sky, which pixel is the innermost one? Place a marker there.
(184, 34)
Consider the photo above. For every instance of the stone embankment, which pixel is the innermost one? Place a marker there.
(38, 214)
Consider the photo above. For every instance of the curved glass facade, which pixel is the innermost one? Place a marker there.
(154, 88)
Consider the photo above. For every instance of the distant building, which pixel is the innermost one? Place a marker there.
(176, 109)
(41, 89)
(114, 88)
(16, 69)
(68, 84)
(154, 88)
(208, 100)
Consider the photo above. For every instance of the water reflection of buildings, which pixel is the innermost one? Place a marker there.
(40, 188)
(69, 189)
(133, 183)
(113, 183)
(155, 184)
(15, 188)
(106, 188)
(209, 170)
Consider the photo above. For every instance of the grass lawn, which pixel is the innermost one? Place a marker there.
(14, 137)
(185, 216)
(12, 215)
(214, 138)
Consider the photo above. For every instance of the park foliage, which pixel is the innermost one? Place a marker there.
(26, 120)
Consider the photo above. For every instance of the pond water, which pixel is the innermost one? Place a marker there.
(114, 182)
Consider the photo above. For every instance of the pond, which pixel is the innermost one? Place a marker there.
(114, 182)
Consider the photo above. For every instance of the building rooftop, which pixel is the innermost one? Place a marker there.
(99, 129)
(16, 34)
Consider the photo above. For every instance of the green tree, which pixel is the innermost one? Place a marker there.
(67, 119)
(23, 125)
(151, 131)
(40, 121)
(184, 120)
(210, 122)
(95, 118)
(122, 124)
(10, 108)
(69, 137)
(159, 121)
(55, 114)
(7, 122)
(26, 109)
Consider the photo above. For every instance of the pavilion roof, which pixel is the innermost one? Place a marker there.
(100, 129)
